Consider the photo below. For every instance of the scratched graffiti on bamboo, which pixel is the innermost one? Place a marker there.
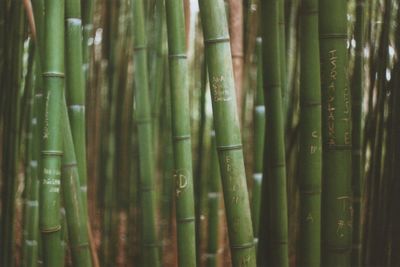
(220, 92)
(46, 118)
(331, 97)
(345, 222)
(181, 182)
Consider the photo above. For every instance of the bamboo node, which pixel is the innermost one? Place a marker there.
(333, 36)
(80, 246)
(217, 40)
(229, 147)
(338, 249)
(69, 165)
(243, 246)
(32, 203)
(177, 56)
(51, 229)
(31, 243)
(74, 21)
(53, 74)
(186, 220)
(304, 104)
(50, 153)
(181, 137)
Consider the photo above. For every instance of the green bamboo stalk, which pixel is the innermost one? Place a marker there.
(12, 75)
(259, 136)
(273, 241)
(185, 214)
(156, 83)
(168, 170)
(336, 135)
(109, 185)
(214, 196)
(72, 196)
(282, 58)
(38, 11)
(53, 76)
(310, 138)
(31, 212)
(226, 123)
(150, 250)
(236, 37)
(75, 91)
(87, 7)
(357, 131)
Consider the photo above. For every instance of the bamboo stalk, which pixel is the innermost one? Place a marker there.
(336, 135)
(87, 7)
(53, 75)
(273, 241)
(72, 195)
(75, 92)
(31, 212)
(357, 93)
(282, 58)
(259, 137)
(12, 75)
(310, 138)
(236, 33)
(214, 196)
(150, 250)
(185, 214)
(226, 123)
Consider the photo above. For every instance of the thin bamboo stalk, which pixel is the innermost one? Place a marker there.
(282, 58)
(75, 92)
(12, 76)
(226, 123)
(259, 137)
(31, 213)
(214, 196)
(87, 7)
(357, 95)
(336, 135)
(53, 76)
(310, 138)
(273, 240)
(185, 214)
(150, 250)
(72, 195)
(236, 33)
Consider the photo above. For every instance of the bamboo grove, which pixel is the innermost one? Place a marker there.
(199, 133)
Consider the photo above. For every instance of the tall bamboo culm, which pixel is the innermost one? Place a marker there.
(150, 245)
(259, 136)
(53, 79)
(310, 138)
(214, 196)
(72, 196)
(185, 214)
(31, 214)
(273, 240)
(75, 90)
(87, 31)
(228, 137)
(336, 135)
(357, 89)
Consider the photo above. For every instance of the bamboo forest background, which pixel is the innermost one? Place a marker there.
(128, 166)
